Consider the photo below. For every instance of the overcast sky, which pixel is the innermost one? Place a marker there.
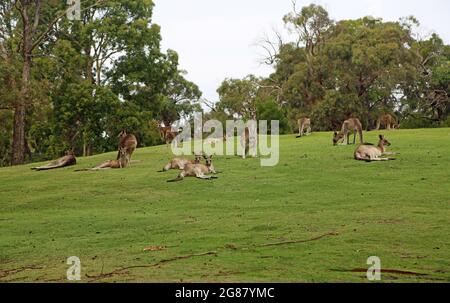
(215, 39)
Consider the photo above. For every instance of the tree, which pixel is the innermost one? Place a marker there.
(33, 34)
(238, 96)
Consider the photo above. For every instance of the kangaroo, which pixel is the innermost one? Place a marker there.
(129, 143)
(121, 163)
(245, 142)
(388, 121)
(166, 133)
(180, 163)
(68, 160)
(197, 170)
(371, 153)
(304, 127)
(349, 126)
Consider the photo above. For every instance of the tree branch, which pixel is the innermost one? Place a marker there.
(50, 26)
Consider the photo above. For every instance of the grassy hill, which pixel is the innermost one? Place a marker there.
(324, 213)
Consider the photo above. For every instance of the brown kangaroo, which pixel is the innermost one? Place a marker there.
(180, 163)
(121, 163)
(388, 121)
(129, 143)
(245, 141)
(371, 153)
(304, 127)
(197, 170)
(349, 126)
(68, 160)
(166, 133)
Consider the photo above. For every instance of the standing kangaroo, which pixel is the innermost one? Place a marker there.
(304, 127)
(180, 163)
(68, 160)
(245, 141)
(122, 162)
(197, 170)
(166, 133)
(388, 121)
(129, 143)
(349, 126)
(371, 153)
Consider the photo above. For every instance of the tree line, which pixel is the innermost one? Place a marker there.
(75, 84)
(332, 70)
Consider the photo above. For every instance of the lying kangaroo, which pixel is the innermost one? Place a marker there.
(349, 126)
(121, 163)
(197, 170)
(371, 153)
(304, 127)
(129, 143)
(180, 163)
(68, 160)
(388, 121)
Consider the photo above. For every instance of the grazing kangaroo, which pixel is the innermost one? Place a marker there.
(349, 126)
(388, 121)
(371, 153)
(197, 170)
(129, 143)
(304, 127)
(121, 163)
(68, 160)
(180, 163)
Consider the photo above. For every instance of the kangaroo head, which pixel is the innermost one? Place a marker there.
(122, 152)
(122, 134)
(337, 137)
(384, 141)
(70, 152)
(208, 160)
(197, 159)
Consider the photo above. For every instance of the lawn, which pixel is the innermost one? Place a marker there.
(315, 217)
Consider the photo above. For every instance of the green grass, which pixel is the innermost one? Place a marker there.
(399, 211)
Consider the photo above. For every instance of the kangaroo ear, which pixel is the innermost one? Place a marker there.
(335, 133)
(381, 137)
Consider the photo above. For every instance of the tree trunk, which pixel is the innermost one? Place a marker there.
(18, 146)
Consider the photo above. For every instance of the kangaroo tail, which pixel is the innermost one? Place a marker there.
(175, 180)
(375, 160)
(47, 167)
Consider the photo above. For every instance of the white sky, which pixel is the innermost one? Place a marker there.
(215, 39)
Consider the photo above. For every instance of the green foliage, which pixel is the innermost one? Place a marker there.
(92, 79)
(237, 96)
(269, 110)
